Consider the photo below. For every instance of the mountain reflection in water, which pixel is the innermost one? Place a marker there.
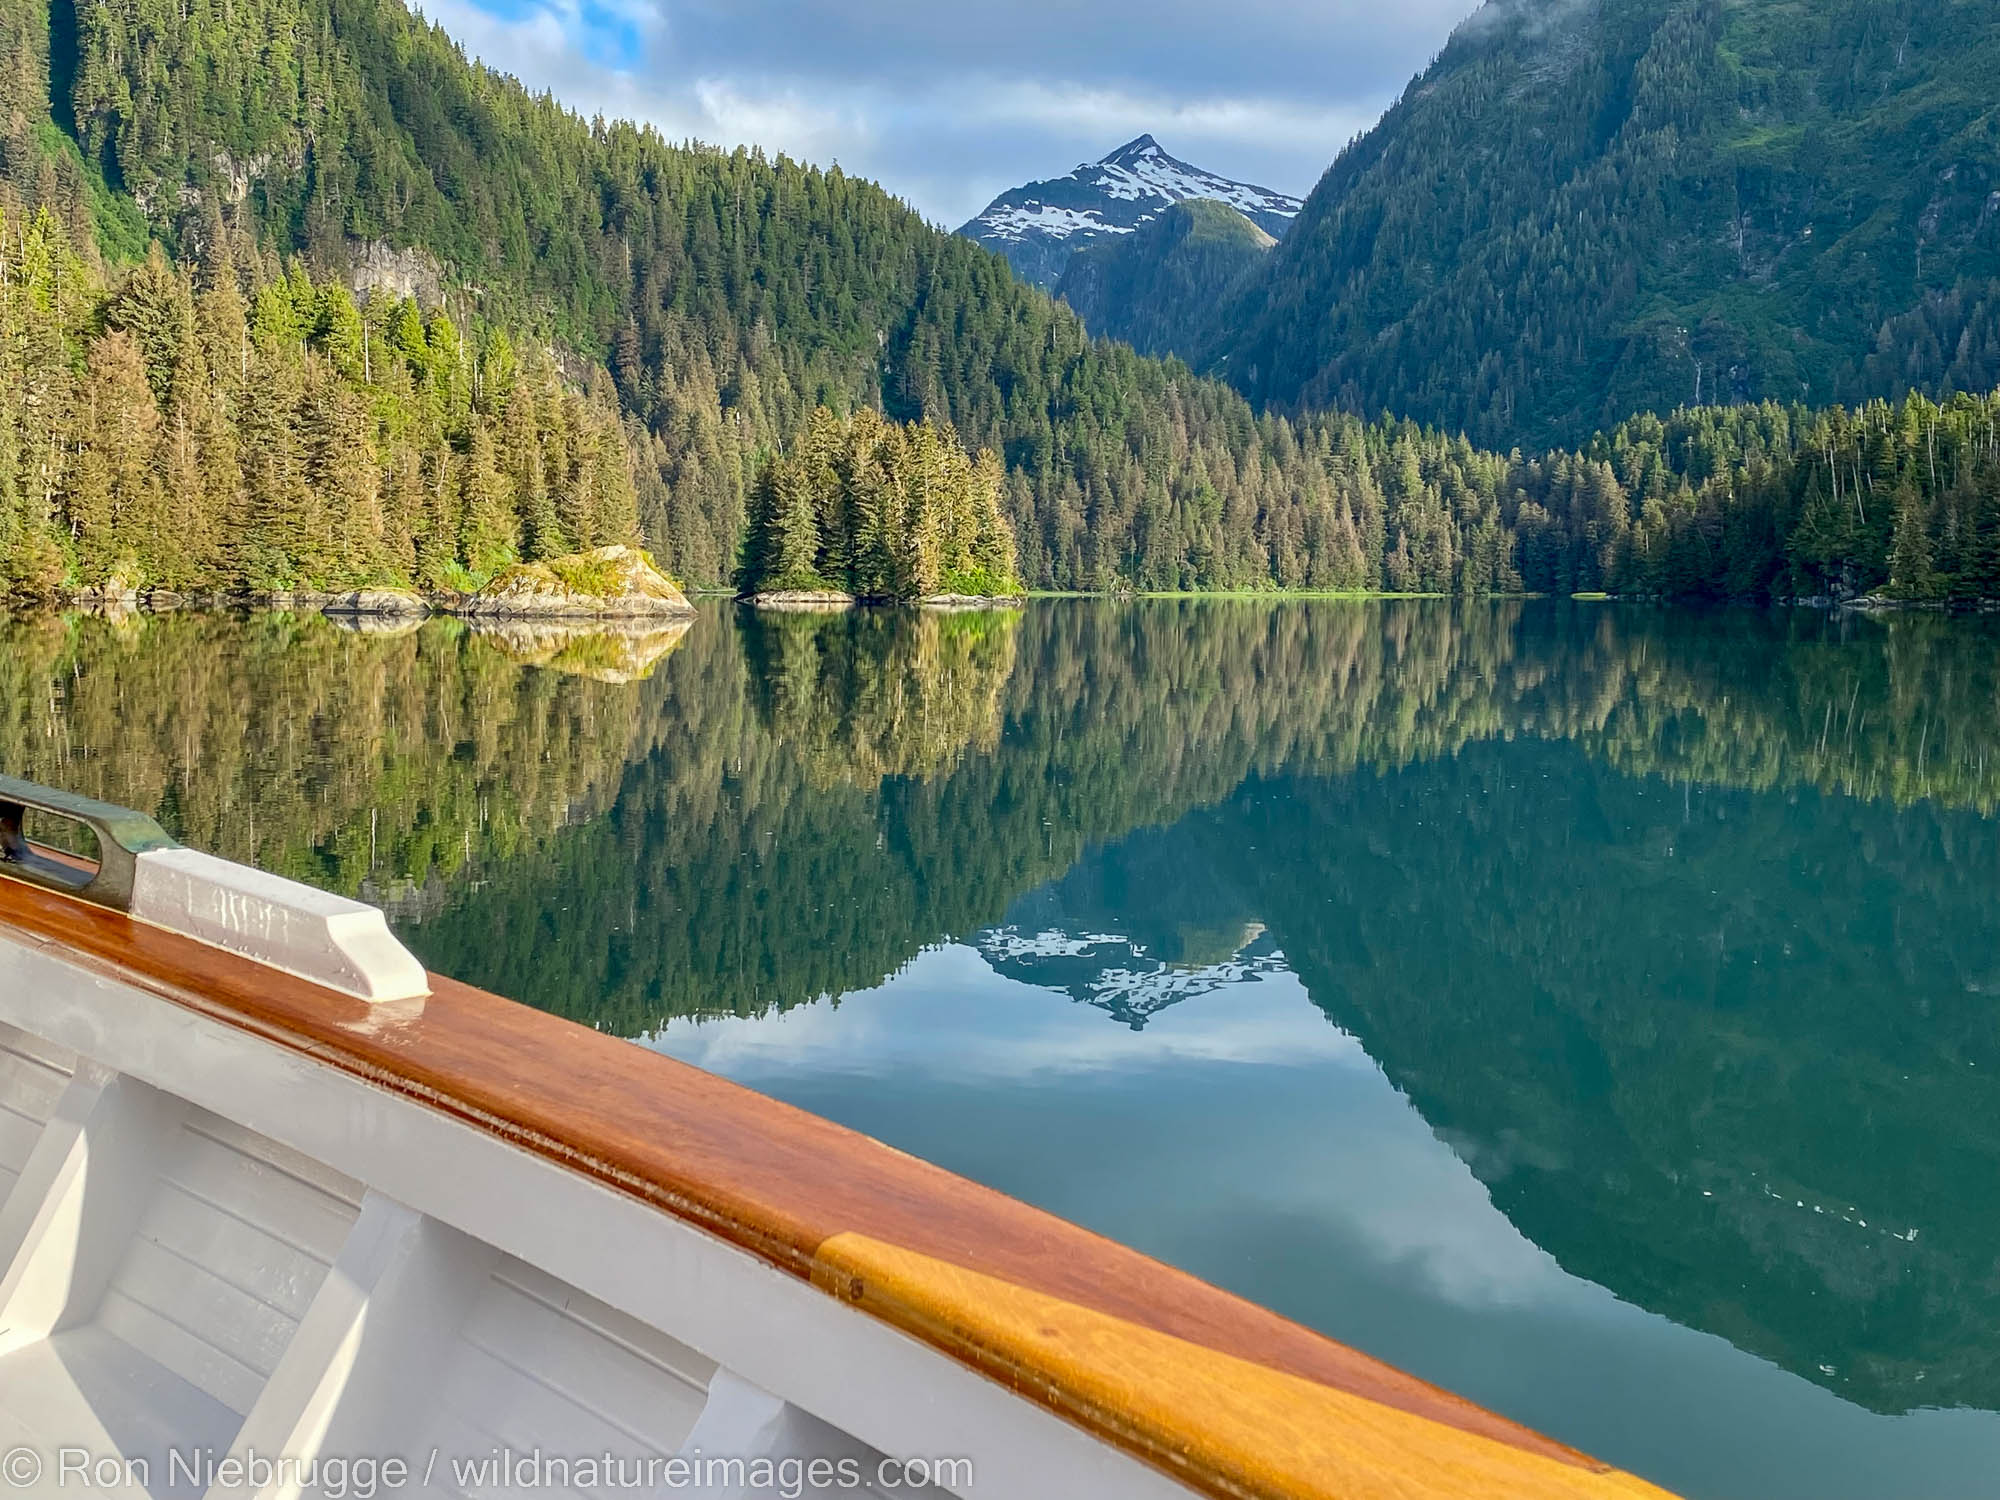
(1588, 1007)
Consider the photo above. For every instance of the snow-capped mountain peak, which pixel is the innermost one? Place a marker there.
(1145, 148)
(1040, 225)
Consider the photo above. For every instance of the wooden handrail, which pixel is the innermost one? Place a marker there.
(1226, 1396)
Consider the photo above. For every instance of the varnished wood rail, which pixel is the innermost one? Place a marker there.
(1226, 1396)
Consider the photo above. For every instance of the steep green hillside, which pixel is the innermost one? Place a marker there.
(728, 293)
(1586, 208)
(1139, 287)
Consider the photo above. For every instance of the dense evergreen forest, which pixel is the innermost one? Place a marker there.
(248, 427)
(1588, 208)
(879, 511)
(719, 298)
(727, 294)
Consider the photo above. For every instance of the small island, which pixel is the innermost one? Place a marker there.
(864, 510)
(607, 583)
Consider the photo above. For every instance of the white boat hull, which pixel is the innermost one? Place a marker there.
(216, 1249)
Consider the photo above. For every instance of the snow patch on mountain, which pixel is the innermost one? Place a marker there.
(1142, 171)
(1015, 223)
(1038, 226)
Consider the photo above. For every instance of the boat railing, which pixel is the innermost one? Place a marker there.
(755, 1252)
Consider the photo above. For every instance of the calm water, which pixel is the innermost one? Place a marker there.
(1590, 1008)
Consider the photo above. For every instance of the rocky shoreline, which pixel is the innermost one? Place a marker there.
(535, 591)
(816, 601)
(610, 583)
(973, 601)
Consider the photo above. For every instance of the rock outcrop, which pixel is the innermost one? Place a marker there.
(807, 600)
(394, 602)
(973, 601)
(609, 583)
(113, 591)
(379, 266)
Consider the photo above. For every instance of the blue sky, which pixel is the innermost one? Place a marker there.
(946, 104)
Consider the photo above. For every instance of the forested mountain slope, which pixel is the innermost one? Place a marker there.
(728, 293)
(1587, 208)
(1138, 288)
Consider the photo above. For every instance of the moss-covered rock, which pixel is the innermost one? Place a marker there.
(610, 582)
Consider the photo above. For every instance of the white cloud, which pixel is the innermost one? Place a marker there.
(1104, 113)
(543, 48)
(784, 118)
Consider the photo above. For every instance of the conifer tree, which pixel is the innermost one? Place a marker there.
(269, 536)
(794, 544)
(155, 306)
(338, 332)
(1911, 575)
(342, 476)
(115, 498)
(524, 459)
(174, 550)
(489, 537)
